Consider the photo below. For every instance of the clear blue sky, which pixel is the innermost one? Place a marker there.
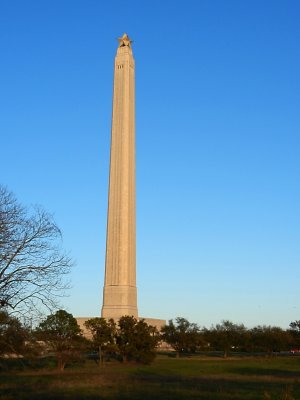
(218, 147)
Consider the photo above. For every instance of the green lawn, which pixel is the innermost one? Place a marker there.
(186, 378)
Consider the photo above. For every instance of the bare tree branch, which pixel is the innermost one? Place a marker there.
(33, 267)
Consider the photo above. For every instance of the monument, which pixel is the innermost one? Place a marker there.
(120, 292)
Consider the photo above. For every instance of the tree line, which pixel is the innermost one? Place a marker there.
(130, 339)
(59, 334)
(227, 337)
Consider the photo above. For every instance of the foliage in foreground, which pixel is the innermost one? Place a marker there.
(136, 340)
(62, 334)
(183, 336)
(130, 339)
(12, 335)
(103, 336)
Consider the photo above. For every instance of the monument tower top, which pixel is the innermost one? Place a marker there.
(124, 41)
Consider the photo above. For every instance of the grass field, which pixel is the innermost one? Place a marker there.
(276, 378)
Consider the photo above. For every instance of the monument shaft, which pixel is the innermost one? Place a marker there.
(120, 293)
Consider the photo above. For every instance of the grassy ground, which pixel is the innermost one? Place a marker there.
(189, 378)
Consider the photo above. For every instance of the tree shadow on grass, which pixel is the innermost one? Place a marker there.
(265, 372)
(145, 386)
(217, 388)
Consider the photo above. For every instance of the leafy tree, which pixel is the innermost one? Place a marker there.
(61, 332)
(226, 336)
(295, 334)
(269, 339)
(183, 336)
(295, 326)
(12, 335)
(136, 340)
(103, 333)
(32, 265)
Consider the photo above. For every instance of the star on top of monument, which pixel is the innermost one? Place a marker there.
(124, 41)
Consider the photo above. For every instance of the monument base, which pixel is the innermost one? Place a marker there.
(158, 323)
(119, 300)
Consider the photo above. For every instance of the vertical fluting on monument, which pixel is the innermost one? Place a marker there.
(120, 293)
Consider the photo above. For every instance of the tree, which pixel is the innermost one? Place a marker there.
(183, 336)
(226, 336)
(61, 332)
(32, 264)
(269, 339)
(12, 335)
(295, 334)
(103, 333)
(136, 340)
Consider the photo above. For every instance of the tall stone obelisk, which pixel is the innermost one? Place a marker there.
(120, 292)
